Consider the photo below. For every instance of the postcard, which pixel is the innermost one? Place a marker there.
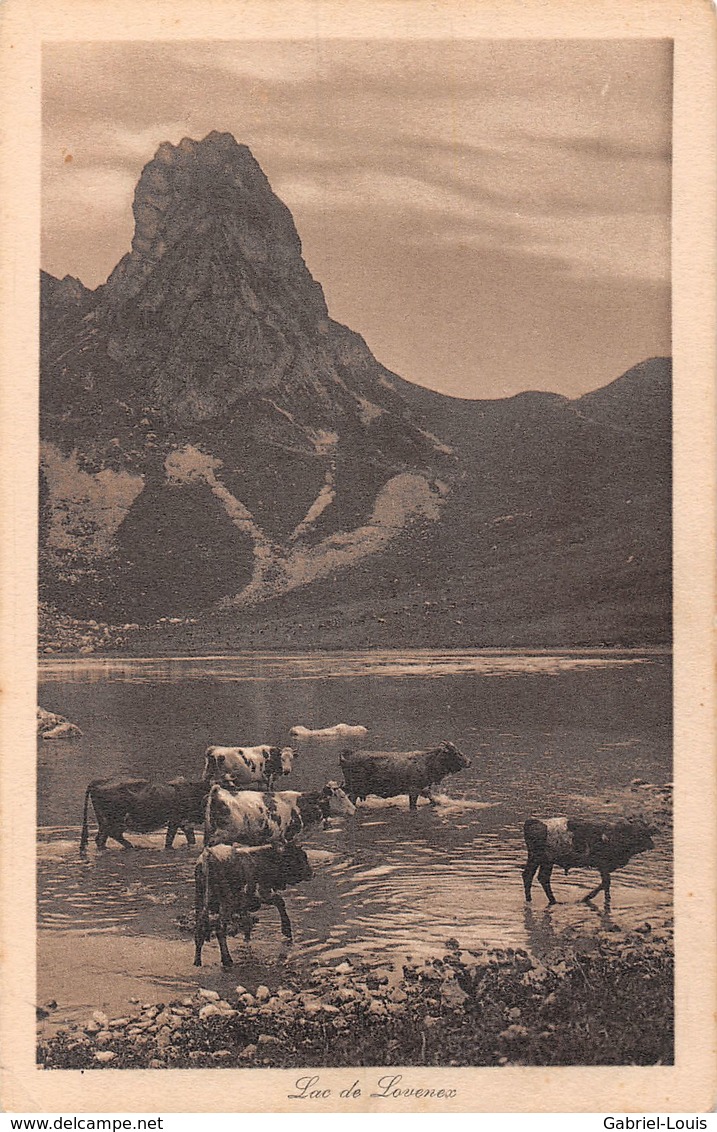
(358, 732)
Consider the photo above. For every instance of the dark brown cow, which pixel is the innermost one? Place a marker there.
(571, 843)
(389, 773)
(237, 879)
(136, 804)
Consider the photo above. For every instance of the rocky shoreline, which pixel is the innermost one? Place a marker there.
(600, 999)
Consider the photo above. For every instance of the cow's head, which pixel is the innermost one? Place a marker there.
(295, 866)
(641, 838)
(339, 803)
(456, 759)
(282, 760)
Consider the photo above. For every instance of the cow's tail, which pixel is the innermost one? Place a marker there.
(208, 817)
(85, 835)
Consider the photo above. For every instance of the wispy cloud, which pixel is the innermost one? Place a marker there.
(556, 151)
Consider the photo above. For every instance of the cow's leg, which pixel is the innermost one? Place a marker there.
(253, 902)
(604, 884)
(227, 960)
(531, 867)
(188, 831)
(412, 801)
(116, 832)
(171, 834)
(544, 874)
(245, 917)
(278, 900)
(201, 920)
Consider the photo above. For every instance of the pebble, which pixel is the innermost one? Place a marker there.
(211, 1010)
(262, 994)
(240, 990)
(210, 995)
(104, 1037)
(101, 1017)
(222, 1054)
(105, 1055)
(453, 995)
(117, 1023)
(248, 1052)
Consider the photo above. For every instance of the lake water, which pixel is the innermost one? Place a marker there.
(547, 734)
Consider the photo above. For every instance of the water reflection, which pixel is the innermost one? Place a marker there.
(322, 666)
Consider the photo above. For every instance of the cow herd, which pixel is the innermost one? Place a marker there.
(250, 829)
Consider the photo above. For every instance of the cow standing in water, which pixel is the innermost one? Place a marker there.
(235, 880)
(135, 804)
(571, 843)
(387, 774)
(253, 818)
(252, 768)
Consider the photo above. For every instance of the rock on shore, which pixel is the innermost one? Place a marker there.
(603, 999)
(53, 726)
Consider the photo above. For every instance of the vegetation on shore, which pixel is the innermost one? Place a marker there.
(605, 999)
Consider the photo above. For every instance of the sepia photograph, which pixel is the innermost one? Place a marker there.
(355, 701)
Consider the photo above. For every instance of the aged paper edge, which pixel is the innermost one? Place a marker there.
(689, 1085)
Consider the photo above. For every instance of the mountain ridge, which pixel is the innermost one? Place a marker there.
(214, 443)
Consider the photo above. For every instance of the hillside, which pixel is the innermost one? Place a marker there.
(226, 466)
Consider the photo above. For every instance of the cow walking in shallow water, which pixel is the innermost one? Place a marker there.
(571, 843)
(387, 774)
(252, 818)
(135, 804)
(252, 768)
(236, 880)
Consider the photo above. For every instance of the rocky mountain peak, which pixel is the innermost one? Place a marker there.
(210, 202)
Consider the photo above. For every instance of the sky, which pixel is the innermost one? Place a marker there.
(491, 215)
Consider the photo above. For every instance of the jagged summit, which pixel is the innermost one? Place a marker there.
(211, 197)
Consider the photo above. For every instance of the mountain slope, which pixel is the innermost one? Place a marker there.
(216, 447)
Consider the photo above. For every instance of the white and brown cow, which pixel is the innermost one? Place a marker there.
(234, 880)
(571, 843)
(253, 818)
(247, 768)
